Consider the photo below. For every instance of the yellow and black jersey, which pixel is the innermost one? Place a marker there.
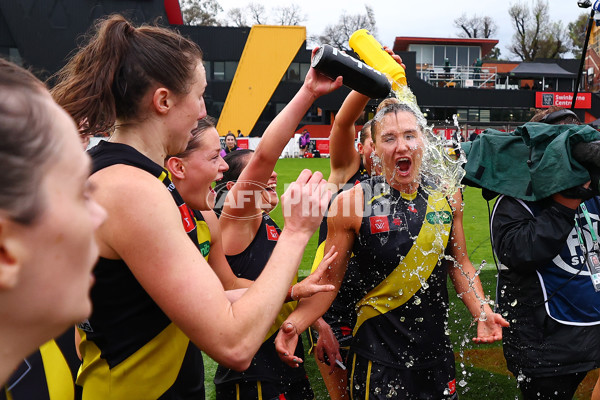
(402, 319)
(130, 348)
(266, 364)
(47, 374)
(340, 316)
(203, 233)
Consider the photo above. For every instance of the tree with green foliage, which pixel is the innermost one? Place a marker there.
(200, 12)
(577, 31)
(536, 36)
(337, 35)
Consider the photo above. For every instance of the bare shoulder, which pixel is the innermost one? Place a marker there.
(347, 209)
(139, 207)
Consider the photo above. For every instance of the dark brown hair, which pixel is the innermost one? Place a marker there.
(365, 132)
(107, 77)
(28, 142)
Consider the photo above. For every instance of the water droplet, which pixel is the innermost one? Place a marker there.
(514, 303)
(462, 383)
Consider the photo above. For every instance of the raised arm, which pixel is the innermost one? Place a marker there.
(172, 271)
(341, 233)
(467, 283)
(274, 140)
(344, 159)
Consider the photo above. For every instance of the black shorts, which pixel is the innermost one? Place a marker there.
(265, 390)
(383, 382)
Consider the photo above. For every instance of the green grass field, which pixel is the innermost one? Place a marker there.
(480, 369)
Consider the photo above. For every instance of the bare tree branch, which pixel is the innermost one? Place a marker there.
(200, 12)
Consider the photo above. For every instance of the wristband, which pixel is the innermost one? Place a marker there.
(289, 294)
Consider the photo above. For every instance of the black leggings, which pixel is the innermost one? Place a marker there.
(561, 387)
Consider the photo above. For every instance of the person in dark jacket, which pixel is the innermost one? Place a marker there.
(545, 289)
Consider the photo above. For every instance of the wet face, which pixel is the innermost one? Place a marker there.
(60, 245)
(202, 168)
(230, 142)
(399, 144)
(188, 109)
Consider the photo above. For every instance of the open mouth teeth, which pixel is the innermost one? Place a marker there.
(403, 164)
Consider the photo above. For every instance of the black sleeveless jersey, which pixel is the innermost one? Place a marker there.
(360, 175)
(340, 315)
(402, 320)
(130, 348)
(266, 364)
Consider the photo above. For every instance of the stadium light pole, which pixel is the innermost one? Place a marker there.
(584, 4)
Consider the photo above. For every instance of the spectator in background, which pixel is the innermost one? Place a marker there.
(304, 142)
(240, 134)
(230, 144)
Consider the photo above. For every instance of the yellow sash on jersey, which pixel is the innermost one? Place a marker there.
(58, 374)
(415, 268)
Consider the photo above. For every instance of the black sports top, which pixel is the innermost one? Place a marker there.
(402, 320)
(266, 364)
(128, 344)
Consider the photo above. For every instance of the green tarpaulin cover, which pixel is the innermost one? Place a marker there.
(530, 163)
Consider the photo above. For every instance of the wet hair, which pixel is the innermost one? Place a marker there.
(386, 102)
(107, 77)
(365, 132)
(233, 136)
(237, 161)
(556, 116)
(28, 142)
(395, 107)
(197, 134)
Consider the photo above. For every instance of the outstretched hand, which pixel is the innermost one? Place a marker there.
(285, 344)
(490, 330)
(311, 284)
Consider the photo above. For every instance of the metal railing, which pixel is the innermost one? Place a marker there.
(459, 76)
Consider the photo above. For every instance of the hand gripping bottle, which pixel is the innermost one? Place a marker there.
(357, 75)
(373, 54)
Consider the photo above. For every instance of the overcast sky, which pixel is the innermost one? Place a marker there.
(433, 18)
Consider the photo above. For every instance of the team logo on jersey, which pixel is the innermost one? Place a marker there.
(186, 218)
(204, 248)
(85, 326)
(397, 221)
(411, 207)
(272, 233)
(439, 217)
(452, 386)
(379, 224)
